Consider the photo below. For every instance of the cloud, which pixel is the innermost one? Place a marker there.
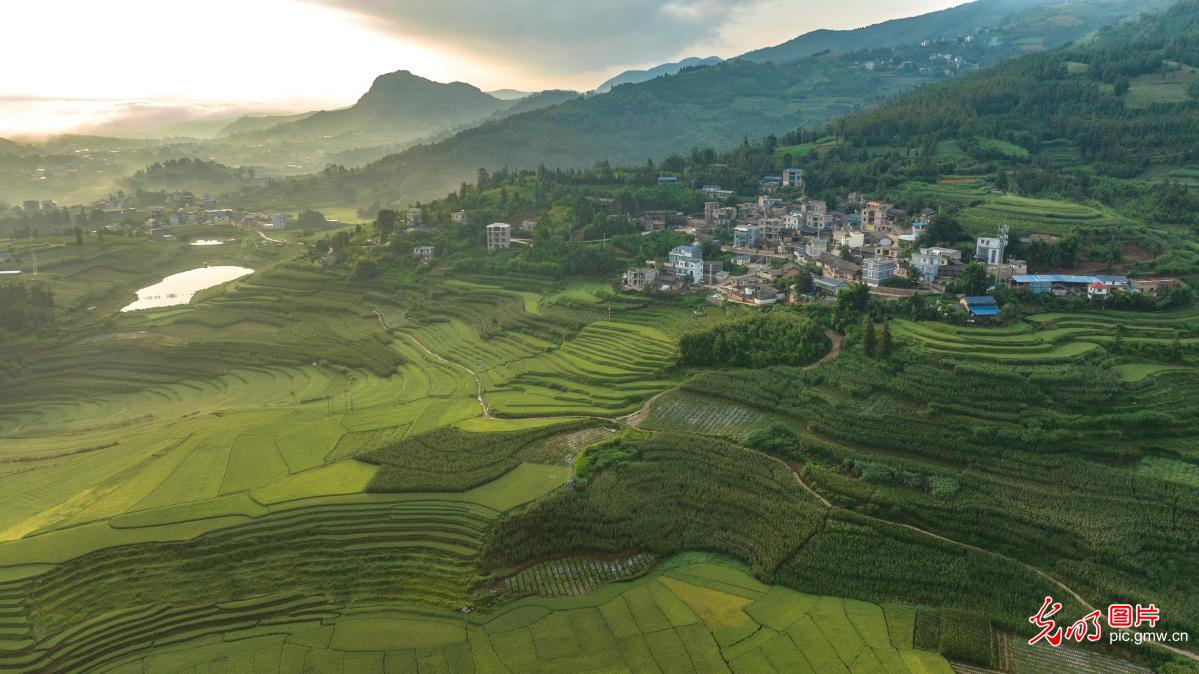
(553, 39)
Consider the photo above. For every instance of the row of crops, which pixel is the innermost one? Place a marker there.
(576, 575)
(284, 568)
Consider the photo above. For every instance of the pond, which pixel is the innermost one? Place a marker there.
(179, 288)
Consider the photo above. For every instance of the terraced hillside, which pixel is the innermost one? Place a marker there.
(1060, 337)
(1048, 441)
(696, 617)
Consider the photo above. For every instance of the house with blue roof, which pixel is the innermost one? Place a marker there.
(979, 306)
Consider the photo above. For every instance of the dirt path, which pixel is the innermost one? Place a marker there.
(639, 416)
(475, 375)
(1059, 584)
(267, 238)
(838, 341)
(478, 381)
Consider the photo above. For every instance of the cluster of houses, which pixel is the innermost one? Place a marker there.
(861, 240)
(183, 208)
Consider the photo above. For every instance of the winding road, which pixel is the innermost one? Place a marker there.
(838, 345)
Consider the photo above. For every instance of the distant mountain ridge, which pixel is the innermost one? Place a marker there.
(714, 106)
(399, 106)
(510, 94)
(252, 123)
(954, 22)
(635, 76)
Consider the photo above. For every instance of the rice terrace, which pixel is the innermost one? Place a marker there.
(875, 351)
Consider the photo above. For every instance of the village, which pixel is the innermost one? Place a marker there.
(773, 241)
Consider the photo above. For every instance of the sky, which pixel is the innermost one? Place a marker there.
(83, 65)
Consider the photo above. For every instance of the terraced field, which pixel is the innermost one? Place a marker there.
(697, 617)
(243, 577)
(211, 446)
(1042, 216)
(1059, 337)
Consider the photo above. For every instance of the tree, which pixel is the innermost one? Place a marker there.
(869, 341)
(385, 223)
(1118, 338)
(78, 236)
(944, 229)
(311, 218)
(1176, 348)
(855, 298)
(973, 279)
(884, 342)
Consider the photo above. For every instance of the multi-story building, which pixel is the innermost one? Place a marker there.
(499, 235)
(745, 236)
(416, 216)
(875, 270)
(989, 250)
(931, 262)
(688, 261)
(640, 278)
(711, 208)
(793, 177)
(278, 221)
(875, 215)
(423, 252)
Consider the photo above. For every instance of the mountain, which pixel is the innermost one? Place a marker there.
(634, 76)
(399, 107)
(1058, 22)
(715, 106)
(251, 123)
(1113, 120)
(510, 94)
(537, 101)
(7, 145)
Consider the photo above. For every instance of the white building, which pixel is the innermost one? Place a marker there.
(929, 261)
(423, 252)
(278, 221)
(499, 235)
(875, 270)
(990, 250)
(688, 261)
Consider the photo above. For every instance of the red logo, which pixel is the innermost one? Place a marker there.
(1088, 628)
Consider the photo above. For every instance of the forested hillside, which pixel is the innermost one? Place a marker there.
(1115, 120)
(1047, 24)
(715, 106)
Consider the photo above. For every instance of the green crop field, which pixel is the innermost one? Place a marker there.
(299, 473)
(1059, 338)
(696, 617)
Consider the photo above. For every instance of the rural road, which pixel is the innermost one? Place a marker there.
(478, 382)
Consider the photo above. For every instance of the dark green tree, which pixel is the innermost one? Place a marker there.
(884, 343)
(385, 223)
(869, 340)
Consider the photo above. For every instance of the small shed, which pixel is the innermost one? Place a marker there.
(980, 305)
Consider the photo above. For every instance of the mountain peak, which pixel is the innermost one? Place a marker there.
(405, 82)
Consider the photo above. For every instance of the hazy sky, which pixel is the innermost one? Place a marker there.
(75, 63)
